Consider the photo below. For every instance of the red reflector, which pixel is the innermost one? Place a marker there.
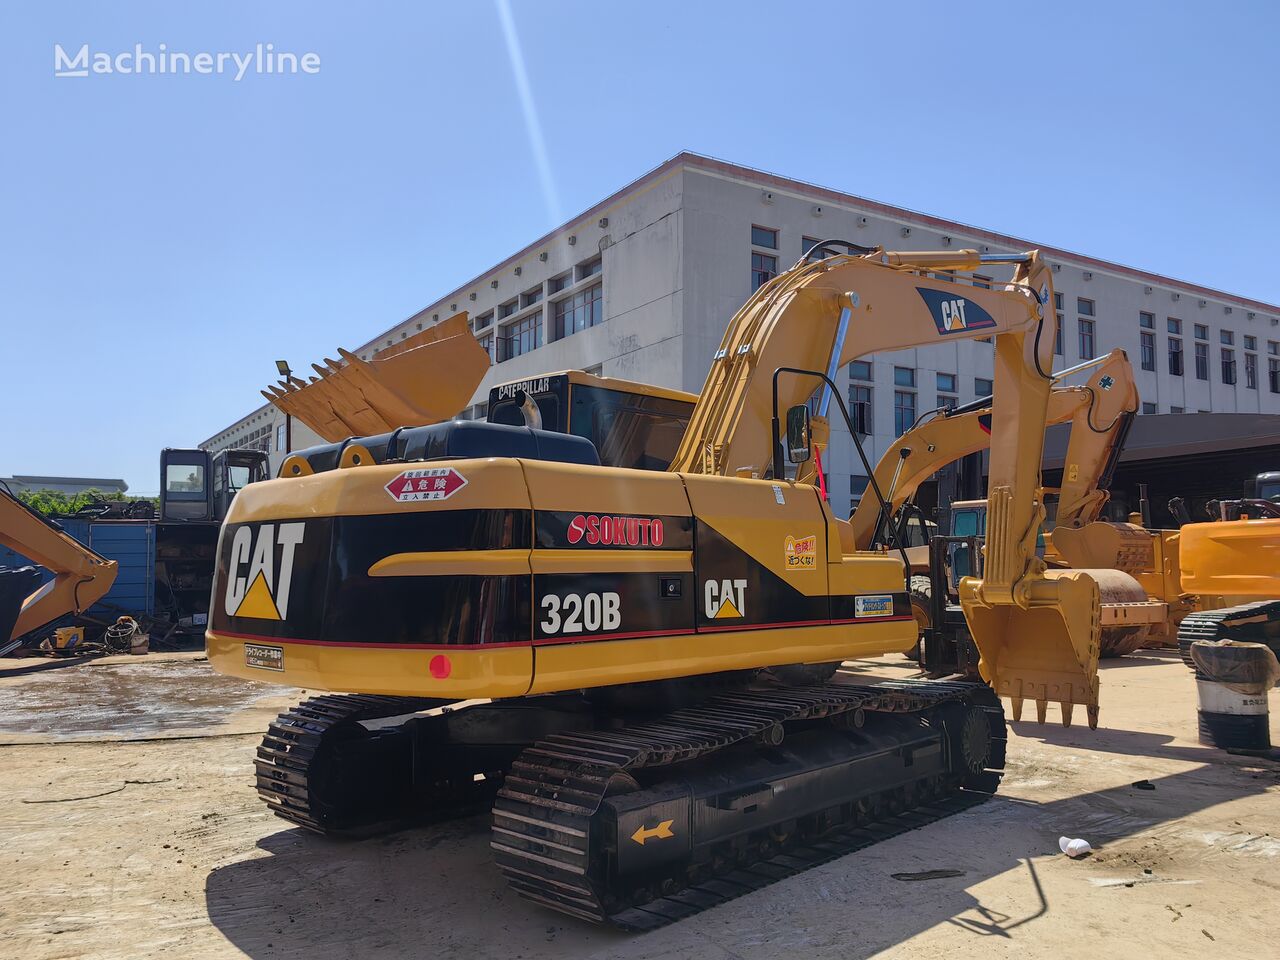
(440, 666)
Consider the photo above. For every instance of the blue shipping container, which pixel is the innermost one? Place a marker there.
(132, 544)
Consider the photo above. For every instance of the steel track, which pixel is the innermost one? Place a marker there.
(543, 837)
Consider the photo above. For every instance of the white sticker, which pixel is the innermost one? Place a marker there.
(879, 605)
(777, 494)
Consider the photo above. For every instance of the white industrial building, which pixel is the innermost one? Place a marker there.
(641, 286)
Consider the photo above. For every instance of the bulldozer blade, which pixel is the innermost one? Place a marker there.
(1046, 650)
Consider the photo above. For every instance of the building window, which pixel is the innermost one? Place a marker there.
(1227, 337)
(1273, 373)
(508, 308)
(1251, 371)
(858, 487)
(1057, 301)
(981, 281)
(584, 309)
(530, 297)
(1177, 410)
(904, 376)
(1086, 339)
(860, 408)
(1228, 366)
(589, 269)
(1148, 350)
(860, 370)
(1175, 325)
(1084, 307)
(1175, 357)
(946, 383)
(1202, 361)
(1148, 407)
(486, 344)
(807, 244)
(904, 411)
(521, 337)
(561, 282)
(764, 237)
(982, 387)
(1147, 321)
(763, 269)
(1202, 331)
(482, 321)
(280, 436)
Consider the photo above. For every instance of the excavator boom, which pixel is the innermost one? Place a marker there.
(1109, 398)
(81, 577)
(1038, 634)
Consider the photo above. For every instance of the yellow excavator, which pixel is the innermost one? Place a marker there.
(80, 577)
(1099, 411)
(1235, 556)
(639, 667)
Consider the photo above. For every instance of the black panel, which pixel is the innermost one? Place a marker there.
(613, 531)
(767, 598)
(332, 598)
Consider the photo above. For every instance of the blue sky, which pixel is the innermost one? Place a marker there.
(164, 239)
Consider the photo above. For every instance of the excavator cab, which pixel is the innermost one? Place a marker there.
(634, 425)
(197, 486)
(1266, 486)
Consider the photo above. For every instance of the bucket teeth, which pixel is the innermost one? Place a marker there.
(1066, 712)
(1016, 704)
(1042, 709)
(1093, 716)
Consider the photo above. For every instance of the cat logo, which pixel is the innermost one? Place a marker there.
(801, 553)
(260, 569)
(952, 314)
(725, 599)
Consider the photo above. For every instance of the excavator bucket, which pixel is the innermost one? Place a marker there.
(1044, 650)
(424, 379)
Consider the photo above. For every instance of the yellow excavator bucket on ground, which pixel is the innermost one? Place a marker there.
(425, 378)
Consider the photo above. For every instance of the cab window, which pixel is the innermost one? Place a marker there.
(184, 478)
(629, 430)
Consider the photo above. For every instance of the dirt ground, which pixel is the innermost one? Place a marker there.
(129, 828)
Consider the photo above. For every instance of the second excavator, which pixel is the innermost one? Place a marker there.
(639, 667)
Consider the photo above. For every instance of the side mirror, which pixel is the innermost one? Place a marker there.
(799, 445)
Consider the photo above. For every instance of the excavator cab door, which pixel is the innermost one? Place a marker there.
(186, 478)
(233, 470)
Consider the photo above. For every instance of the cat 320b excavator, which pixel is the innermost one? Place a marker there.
(643, 663)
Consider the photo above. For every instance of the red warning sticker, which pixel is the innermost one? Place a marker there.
(430, 483)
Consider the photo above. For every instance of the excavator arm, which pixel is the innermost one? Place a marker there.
(1038, 634)
(81, 577)
(1099, 412)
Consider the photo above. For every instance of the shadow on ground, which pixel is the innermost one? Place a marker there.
(435, 891)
